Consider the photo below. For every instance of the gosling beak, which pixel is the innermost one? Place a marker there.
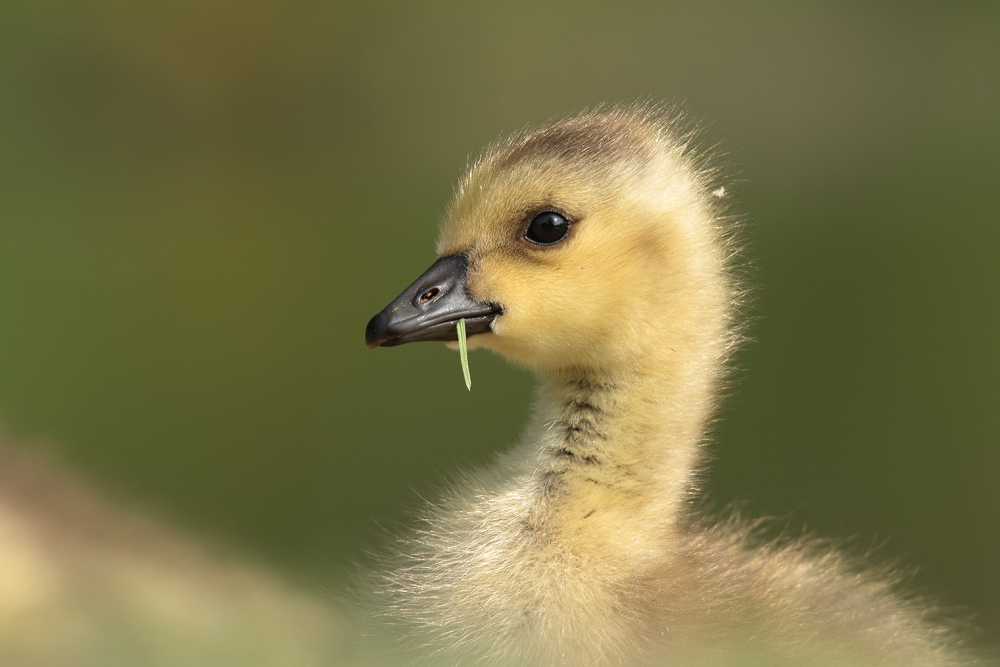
(430, 308)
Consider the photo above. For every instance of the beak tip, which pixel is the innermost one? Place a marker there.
(374, 332)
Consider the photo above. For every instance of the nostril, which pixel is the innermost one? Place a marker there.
(429, 295)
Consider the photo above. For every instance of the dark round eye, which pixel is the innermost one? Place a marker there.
(547, 228)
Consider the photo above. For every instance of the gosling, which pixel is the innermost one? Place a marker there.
(595, 251)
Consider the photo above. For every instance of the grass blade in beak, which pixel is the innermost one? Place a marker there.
(463, 352)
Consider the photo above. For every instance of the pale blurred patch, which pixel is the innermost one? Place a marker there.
(85, 583)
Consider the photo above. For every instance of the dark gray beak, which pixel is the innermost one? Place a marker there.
(430, 308)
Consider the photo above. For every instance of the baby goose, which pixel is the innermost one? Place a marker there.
(592, 252)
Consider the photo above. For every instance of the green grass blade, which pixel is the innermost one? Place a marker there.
(463, 351)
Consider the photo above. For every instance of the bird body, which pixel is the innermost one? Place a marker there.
(593, 252)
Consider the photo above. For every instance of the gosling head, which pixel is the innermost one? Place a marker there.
(573, 247)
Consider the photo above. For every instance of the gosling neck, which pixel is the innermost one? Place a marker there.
(618, 452)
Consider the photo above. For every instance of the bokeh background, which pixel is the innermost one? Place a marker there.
(202, 203)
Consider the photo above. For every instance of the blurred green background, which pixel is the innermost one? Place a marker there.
(202, 203)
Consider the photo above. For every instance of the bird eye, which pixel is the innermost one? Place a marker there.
(547, 228)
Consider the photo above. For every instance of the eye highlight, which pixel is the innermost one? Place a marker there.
(547, 228)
